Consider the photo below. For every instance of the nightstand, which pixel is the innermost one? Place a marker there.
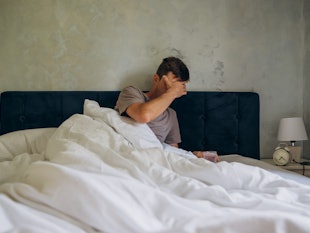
(294, 167)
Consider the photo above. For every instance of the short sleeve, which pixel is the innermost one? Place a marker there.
(129, 95)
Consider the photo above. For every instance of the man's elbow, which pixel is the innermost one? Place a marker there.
(139, 114)
(143, 118)
(140, 117)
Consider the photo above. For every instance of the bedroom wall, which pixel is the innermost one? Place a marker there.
(306, 12)
(229, 45)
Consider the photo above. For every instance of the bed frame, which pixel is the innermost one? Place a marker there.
(227, 122)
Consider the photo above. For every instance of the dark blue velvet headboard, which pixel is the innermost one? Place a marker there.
(227, 122)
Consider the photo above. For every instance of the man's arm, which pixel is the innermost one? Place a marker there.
(145, 112)
(175, 145)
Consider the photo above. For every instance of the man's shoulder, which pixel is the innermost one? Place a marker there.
(171, 111)
(132, 89)
(131, 92)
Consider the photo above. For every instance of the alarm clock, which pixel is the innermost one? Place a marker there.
(282, 155)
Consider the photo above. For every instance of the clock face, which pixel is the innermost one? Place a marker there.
(281, 157)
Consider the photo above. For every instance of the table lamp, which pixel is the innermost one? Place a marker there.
(291, 130)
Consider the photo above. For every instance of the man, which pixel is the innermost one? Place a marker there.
(152, 107)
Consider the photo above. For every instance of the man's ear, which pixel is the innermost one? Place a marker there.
(156, 78)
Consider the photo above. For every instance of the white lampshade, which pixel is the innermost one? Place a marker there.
(292, 129)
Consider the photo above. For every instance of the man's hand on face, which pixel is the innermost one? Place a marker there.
(175, 86)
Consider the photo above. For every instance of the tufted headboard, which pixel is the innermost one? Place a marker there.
(227, 122)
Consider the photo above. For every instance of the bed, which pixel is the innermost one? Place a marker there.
(70, 163)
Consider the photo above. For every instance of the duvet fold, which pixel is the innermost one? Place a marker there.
(90, 178)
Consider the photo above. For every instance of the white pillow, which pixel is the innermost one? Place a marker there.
(31, 141)
(140, 135)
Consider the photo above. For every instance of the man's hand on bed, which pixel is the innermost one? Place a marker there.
(209, 155)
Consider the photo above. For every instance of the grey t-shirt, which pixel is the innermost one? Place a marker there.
(165, 126)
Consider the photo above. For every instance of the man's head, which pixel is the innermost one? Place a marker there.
(174, 65)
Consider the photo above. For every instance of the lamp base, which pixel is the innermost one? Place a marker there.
(295, 153)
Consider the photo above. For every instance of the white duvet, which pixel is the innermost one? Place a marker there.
(91, 178)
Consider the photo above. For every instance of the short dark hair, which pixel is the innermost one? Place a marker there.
(174, 65)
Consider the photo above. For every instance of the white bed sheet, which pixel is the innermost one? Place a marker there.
(269, 167)
(91, 179)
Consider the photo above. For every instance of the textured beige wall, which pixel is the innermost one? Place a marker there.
(306, 74)
(238, 45)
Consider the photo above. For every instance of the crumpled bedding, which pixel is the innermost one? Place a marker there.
(90, 178)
